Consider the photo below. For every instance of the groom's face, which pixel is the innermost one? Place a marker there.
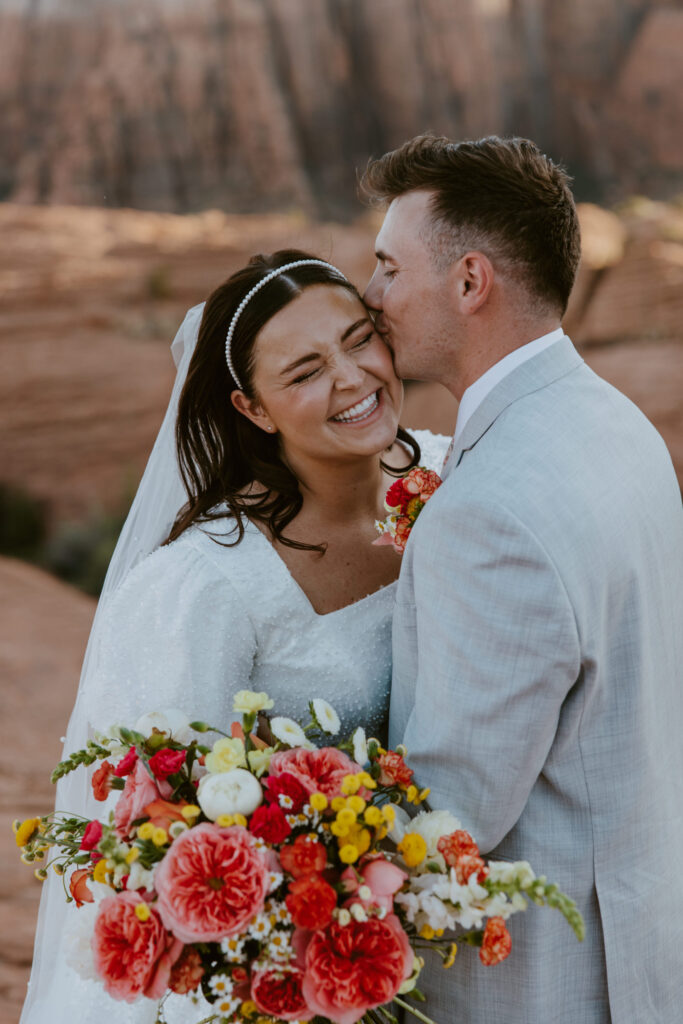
(411, 296)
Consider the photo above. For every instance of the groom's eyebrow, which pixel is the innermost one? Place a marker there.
(382, 256)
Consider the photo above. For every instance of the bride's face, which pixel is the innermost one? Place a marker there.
(324, 378)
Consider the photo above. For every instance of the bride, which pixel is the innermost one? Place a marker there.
(285, 417)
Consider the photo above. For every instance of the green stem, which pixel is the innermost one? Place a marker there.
(415, 1012)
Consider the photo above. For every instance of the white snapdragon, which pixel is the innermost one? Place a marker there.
(139, 877)
(518, 872)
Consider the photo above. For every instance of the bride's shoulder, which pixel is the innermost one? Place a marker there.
(433, 448)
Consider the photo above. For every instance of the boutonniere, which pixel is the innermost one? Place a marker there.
(404, 501)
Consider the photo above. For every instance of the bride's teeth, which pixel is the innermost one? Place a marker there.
(359, 411)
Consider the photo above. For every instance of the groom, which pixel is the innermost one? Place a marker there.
(538, 633)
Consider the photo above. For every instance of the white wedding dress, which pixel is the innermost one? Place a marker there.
(190, 625)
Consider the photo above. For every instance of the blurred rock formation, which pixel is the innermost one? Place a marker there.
(270, 104)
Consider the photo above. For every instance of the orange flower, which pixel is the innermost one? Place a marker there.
(394, 770)
(162, 813)
(78, 887)
(497, 942)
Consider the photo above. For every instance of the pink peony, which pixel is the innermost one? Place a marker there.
(319, 771)
(139, 791)
(351, 968)
(380, 876)
(277, 991)
(132, 957)
(211, 883)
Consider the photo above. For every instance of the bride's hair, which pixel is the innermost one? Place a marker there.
(220, 452)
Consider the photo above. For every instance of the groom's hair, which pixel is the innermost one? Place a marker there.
(503, 197)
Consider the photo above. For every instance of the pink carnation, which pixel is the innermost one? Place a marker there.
(211, 883)
(139, 791)
(381, 877)
(319, 771)
(351, 968)
(132, 957)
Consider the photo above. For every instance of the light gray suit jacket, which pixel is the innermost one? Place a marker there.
(538, 686)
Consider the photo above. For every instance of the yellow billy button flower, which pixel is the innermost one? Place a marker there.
(338, 804)
(132, 855)
(413, 849)
(367, 780)
(339, 830)
(240, 820)
(356, 804)
(389, 813)
(146, 830)
(360, 838)
(248, 1008)
(427, 932)
(452, 952)
(411, 794)
(348, 854)
(100, 871)
(142, 912)
(373, 816)
(318, 802)
(160, 836)
(26, 830)
(346, 818)
(350, 784)
(225, 820)
(190, 813)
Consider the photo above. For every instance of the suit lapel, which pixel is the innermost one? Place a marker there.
(536, 373)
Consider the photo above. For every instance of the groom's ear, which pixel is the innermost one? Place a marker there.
(473, 279)
(253, 410)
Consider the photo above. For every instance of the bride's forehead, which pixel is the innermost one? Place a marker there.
(321, 312)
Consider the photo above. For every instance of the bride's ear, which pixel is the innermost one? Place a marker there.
(253, 410)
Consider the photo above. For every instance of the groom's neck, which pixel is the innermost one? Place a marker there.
(490, 339)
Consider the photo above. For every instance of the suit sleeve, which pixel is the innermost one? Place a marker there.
(498, 652)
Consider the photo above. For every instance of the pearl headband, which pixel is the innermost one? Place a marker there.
(257, 288)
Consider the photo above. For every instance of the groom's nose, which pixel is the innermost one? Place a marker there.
(372, 297)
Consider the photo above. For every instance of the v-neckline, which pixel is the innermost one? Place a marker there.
(302, 593)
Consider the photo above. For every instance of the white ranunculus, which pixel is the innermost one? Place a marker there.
(171, 721)
(360, 746)
(432, 825)
(327, 717)
(235, 792)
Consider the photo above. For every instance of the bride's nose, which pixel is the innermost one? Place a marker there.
(347, 373)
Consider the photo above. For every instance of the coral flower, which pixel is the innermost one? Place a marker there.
(351, 968)
(319, 771)
(278, 992)
(211, 883)
(133, 956)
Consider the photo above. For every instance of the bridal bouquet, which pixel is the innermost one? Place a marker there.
(270, 881)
